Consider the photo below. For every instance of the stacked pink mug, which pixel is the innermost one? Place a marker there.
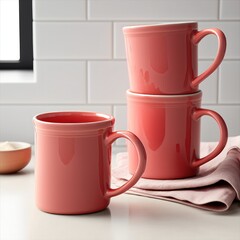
(164, 101)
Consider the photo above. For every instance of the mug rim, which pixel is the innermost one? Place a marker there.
(102, 121)
(160, 27)
(155, 98)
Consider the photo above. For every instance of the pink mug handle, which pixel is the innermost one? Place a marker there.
(197, 37)
(223, 135)
(141, 153)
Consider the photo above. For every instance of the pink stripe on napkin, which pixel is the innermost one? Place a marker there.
(215, 187)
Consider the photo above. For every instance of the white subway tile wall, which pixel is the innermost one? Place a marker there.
(80, 61)
(72, 40)
(108, 81)
(53, 10)
(230, 9)
(208, 46)
(229, 82)
(153, 10)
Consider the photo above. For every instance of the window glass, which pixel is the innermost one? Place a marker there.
(9, 30)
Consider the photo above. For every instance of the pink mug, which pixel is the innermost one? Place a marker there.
(73, 161)
(169, 128)
(162, 59)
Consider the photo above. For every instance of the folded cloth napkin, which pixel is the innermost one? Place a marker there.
(215, 187)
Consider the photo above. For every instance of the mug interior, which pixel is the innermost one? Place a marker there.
(73, 117)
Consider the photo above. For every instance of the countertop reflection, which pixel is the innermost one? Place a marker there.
(127, 217)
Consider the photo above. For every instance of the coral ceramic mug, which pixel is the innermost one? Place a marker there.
(73, 157)
(162, 59)
(169, 128)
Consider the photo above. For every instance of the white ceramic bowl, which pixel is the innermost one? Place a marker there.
(14, 156)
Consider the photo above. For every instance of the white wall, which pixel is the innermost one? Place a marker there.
(79, 60)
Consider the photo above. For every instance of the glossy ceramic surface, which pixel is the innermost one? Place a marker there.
(73, 159)
(14, 159)
(169, 128)
(163, 58)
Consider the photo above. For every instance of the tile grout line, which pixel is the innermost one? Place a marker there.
(112, 40)
(112, 105)
(133, 21)
(87, 83)
(112, 109)
(86, 9)
(219, 9)
(218, 85)
(120, 59)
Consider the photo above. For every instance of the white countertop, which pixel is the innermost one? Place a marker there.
(127, 217)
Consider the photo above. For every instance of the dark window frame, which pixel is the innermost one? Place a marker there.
(26, 39)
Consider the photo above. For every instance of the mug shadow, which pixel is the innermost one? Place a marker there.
(105, 213)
